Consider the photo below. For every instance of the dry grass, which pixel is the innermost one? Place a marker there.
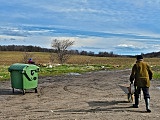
(8, 58)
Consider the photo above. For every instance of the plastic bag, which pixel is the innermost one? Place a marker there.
(132, 89)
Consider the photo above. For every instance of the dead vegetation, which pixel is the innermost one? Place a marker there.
(8, 58)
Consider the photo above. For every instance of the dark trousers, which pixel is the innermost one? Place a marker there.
(145, 92)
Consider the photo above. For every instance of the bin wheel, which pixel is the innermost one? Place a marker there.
(23, 91)
(36, 91)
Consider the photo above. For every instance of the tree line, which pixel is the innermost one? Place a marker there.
(31, 48)
(24, 48)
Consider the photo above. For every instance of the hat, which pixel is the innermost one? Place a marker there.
(139, 57)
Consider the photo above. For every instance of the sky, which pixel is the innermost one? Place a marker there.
(124, 27)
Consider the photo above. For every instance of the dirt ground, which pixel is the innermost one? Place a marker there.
(88, 96)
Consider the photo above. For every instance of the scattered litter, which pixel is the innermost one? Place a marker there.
(74, 74)
(51, 110)
(49, 66)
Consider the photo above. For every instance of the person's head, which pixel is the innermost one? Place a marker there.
(139, 57)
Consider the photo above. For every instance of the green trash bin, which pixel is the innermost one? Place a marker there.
(24, 76)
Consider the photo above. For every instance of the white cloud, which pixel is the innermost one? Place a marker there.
(125, 45)
(106, 25)
(3, 37)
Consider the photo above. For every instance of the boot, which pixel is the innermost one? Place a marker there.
(147, 104)
(136, 102)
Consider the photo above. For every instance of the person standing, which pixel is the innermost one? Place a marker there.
(141, 75)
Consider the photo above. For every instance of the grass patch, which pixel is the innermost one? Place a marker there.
(69, 68)
(63, 69)
(156, 72)
(59, 70)
(156, 75)
(4, 74)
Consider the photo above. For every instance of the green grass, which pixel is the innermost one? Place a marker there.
(64, 69)
(76, 64)
(156, 75)
(156, 72)
(70, 68)
(4, 74)
(58, 70)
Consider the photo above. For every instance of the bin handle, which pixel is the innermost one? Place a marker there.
(27, 77)
(32, 73)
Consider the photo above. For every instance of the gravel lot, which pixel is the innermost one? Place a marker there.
(88, 96)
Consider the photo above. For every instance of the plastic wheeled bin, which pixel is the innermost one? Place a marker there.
(24, 76)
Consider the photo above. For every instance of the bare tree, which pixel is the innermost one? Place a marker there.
(52, 57)
(26, 56)
(61, 47)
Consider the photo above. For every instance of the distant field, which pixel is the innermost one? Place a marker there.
(76, 63)
(8, 58)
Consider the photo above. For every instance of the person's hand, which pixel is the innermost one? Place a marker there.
(131, 79)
